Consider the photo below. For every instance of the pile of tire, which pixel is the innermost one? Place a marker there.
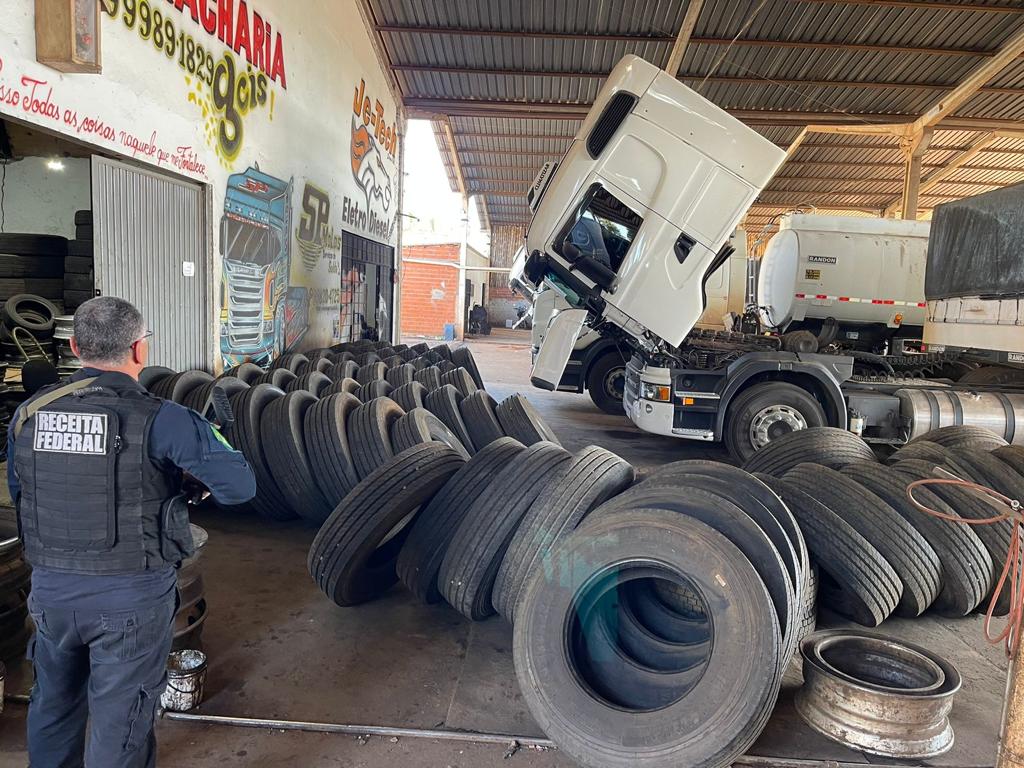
(879, 554)
(32, 264)
(190, 617)
(315, 424)
(15, 581)
(27, 329)
(678, 601)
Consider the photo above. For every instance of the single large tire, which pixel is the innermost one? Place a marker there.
(315, 364)
(343, 370)
(346, 386)
(151, 376)
(444, 403)
(429, 376)
(371, 390)
(864, 587)
(421, 426)
(432, 532)
(966, 564)
(463, 357)
(33, 313)
(757, 500)
(179, 386)
(443, 350)
(461, 380)
(277, 377)
(807, 616)
(400, 375)
(520, 420)
(367, 358)
(963, 437)
(290, 362)
(327, 446)
(749, 413)
(996, 537)
(478, 413)
(369, 434)
(723, 713)
(352, 559)
(830, 447)
(732, 522)
(371, 372)
(1012, 456)
(606, 382)
(921, 449)
(471, 564)
(907, 551)
(410, 396)
(246, 372)
(591, 478)
(314, 382)
(199, 398)
(281, 429)
(244, 435)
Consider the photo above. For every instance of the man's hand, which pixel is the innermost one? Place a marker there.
(196, 492)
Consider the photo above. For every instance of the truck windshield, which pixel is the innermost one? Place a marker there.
(604, 229)
(249, 243)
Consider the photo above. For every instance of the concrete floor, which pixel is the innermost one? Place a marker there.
(279, 649)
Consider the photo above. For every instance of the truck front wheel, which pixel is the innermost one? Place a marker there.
(606, 381)
(768, 411)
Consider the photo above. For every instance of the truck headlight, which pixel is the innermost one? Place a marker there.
(268, 326)
(658, 392)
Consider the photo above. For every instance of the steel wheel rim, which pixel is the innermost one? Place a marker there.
(775, 421)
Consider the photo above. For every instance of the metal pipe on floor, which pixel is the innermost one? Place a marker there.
(360, 730)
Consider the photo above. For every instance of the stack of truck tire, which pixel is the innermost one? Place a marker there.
(15, 578)
(79, 277)
(653, 619)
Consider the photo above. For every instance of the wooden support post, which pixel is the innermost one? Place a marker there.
(1011, 742)
(914, 150)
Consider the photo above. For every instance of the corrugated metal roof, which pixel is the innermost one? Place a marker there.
(808, 56)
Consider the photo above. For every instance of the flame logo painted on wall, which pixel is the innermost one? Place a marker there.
(368, 167)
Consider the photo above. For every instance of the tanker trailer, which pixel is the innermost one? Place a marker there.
(867, 275)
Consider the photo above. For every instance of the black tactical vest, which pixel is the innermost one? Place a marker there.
(92, 501)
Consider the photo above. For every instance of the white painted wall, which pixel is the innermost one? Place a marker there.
(159, 107)
(40, 201)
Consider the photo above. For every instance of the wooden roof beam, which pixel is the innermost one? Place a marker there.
(930, 5)
(969, 86)
(675, 57)
(943, 173)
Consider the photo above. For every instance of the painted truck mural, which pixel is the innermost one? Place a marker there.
(255, 237)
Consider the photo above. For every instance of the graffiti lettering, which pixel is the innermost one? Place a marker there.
(235, 94)
(186, 159)
(316, 211)
(146, 149)
(228, 21)
(372, 114)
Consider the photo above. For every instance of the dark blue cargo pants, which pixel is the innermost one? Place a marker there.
(101, 669)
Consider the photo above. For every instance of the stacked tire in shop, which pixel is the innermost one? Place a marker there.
(15, 577)
(646, 592)
(79, 276)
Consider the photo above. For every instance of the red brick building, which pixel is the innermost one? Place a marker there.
(430, 292)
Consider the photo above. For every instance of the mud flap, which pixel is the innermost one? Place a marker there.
(553, 357)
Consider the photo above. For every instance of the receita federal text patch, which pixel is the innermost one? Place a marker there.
(58, 432)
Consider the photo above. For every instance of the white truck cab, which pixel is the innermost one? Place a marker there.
(638, 213)
(627, 231)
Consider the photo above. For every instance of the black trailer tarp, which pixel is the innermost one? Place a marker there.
(976, 247)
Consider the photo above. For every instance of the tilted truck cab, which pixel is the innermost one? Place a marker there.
(629, 227)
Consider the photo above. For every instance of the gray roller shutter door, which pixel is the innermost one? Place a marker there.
(152, 249)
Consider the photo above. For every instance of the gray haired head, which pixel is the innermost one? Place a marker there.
(105, 329)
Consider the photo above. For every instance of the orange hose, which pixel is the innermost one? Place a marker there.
(1013, 568)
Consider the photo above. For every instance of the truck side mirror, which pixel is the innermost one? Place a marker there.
(571, 251)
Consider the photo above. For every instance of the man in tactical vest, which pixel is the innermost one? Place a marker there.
(96, 469)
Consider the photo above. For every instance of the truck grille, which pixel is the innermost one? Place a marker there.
(245, 303)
